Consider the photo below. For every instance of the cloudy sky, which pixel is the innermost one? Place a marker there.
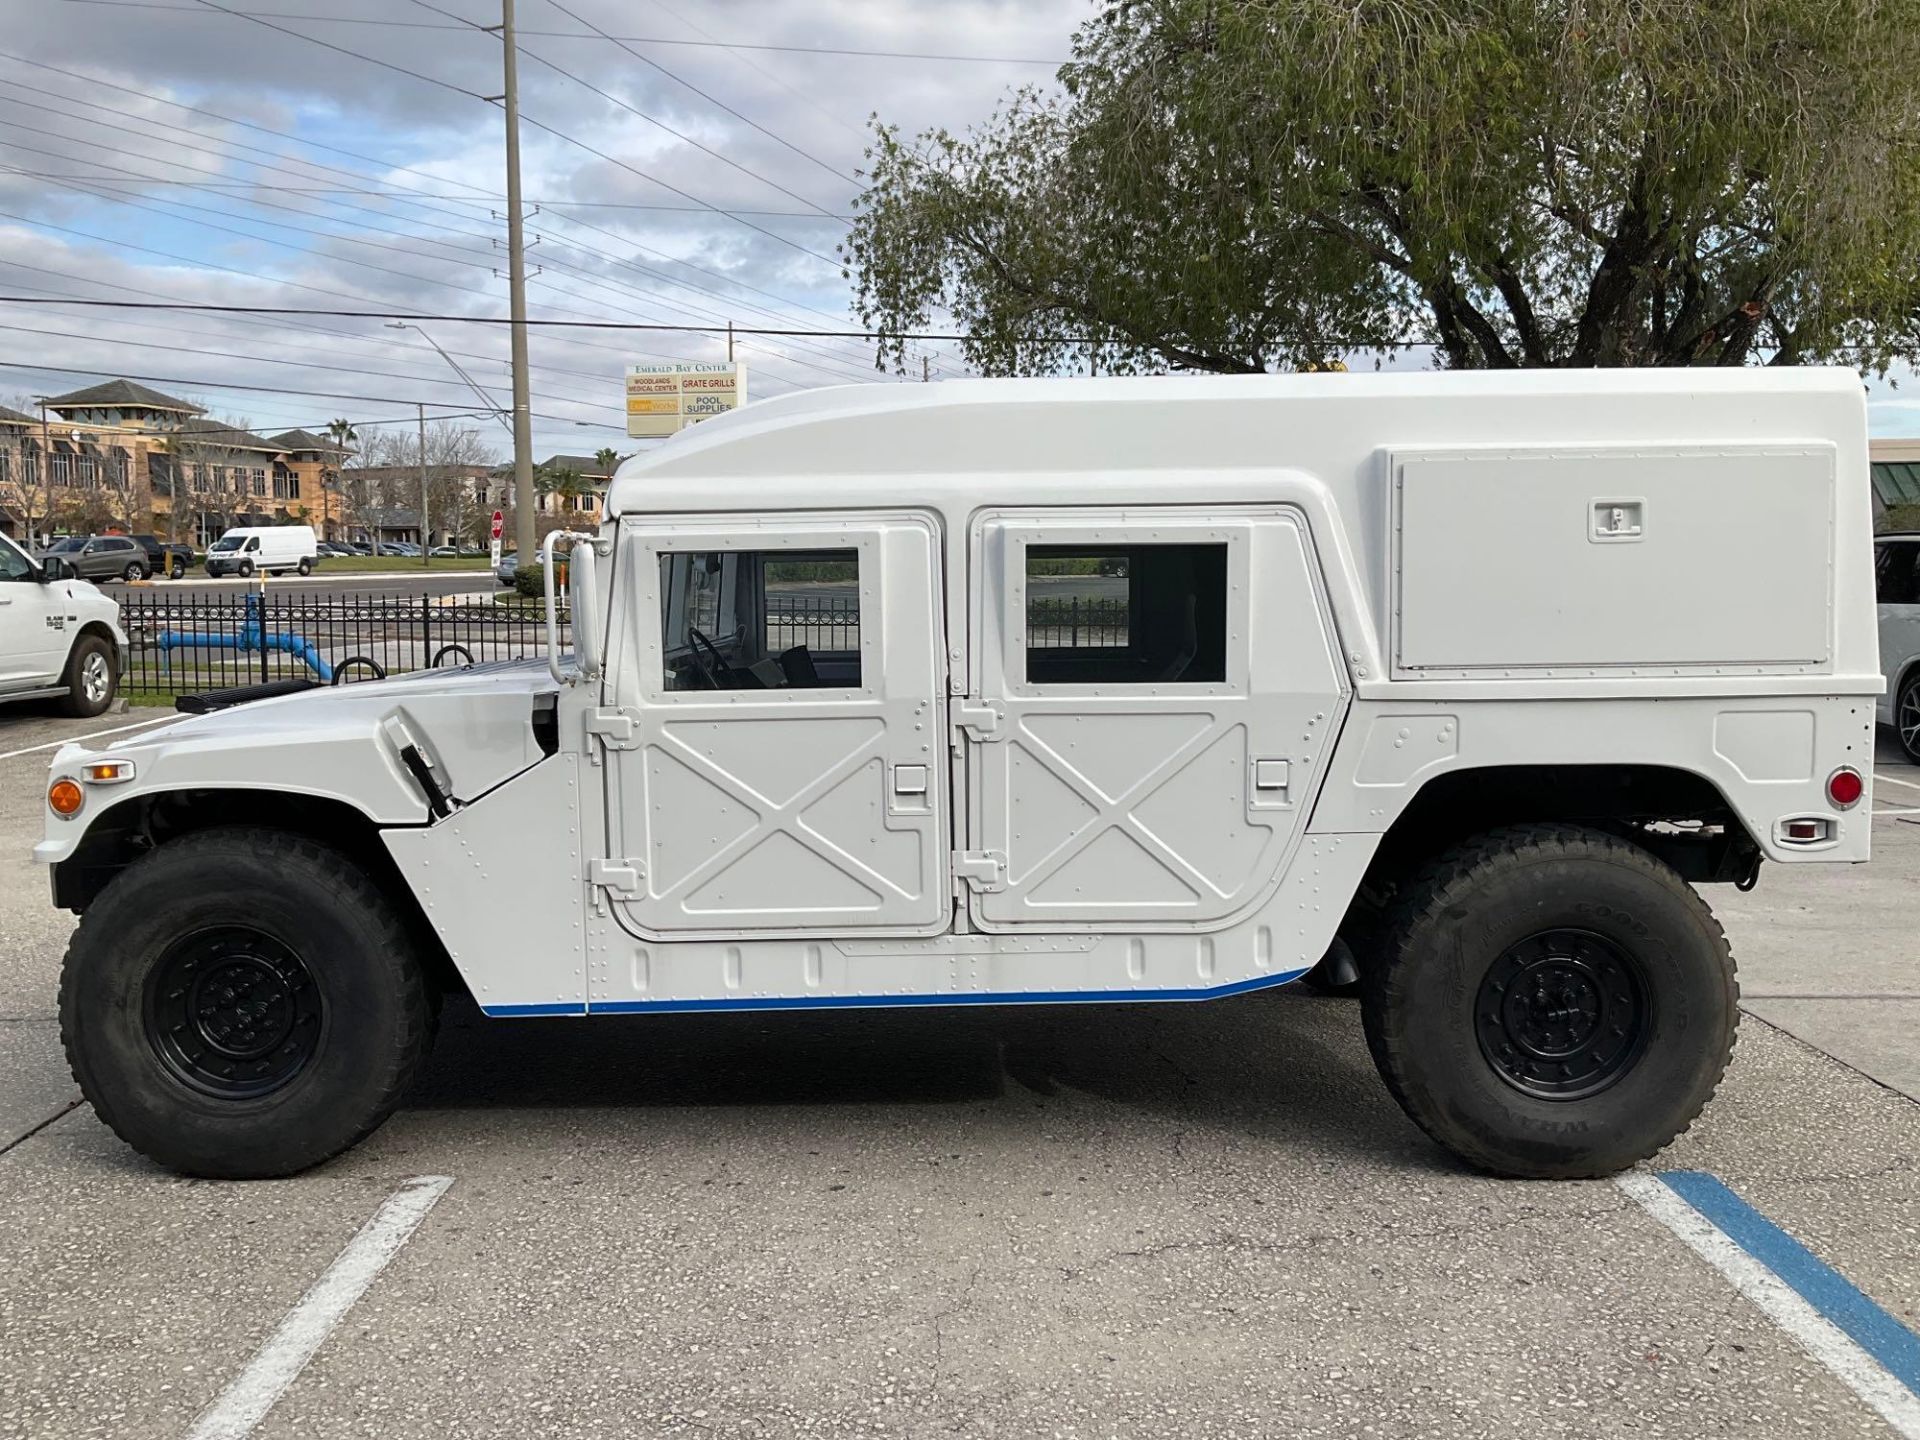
(692, 171)
(180, 150)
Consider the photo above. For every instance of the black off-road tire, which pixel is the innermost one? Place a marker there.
(85, 698)
(1434, 1022)
(373, 1013)
(177, 570)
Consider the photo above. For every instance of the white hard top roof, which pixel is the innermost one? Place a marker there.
(908, 442)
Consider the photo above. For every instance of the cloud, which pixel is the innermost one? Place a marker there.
(249, 228)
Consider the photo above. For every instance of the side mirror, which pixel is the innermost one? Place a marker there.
(52, 568)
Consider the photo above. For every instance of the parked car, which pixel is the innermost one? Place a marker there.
(359, 547)
(171, 559)
(1896, 573)
(447, 551)
(97, 557)
(58, 636)
(404, 548)
(1477, 644)
(274, 549)
(508, 567)
(334, 548)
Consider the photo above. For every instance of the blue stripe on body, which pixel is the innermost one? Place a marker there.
(1871, 1328)
(871, 1002)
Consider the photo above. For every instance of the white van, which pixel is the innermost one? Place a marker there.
(275, 549)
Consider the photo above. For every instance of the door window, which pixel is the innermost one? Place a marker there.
(13, 565)
(760, 619)
(1152, 614)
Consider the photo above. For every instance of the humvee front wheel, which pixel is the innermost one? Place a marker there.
(1552, 1002)
(243, 1003)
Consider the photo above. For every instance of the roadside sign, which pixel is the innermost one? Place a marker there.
(663, 400)
(495, 562)
(498, 518)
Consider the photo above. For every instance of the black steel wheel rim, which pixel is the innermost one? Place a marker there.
(233, 1012)
(1563, 1014)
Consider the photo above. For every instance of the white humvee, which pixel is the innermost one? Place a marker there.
(1009, 692)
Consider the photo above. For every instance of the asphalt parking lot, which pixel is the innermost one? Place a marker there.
(1148, 1220)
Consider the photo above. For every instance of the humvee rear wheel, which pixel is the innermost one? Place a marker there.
(243, 1003)
(1552, 1002)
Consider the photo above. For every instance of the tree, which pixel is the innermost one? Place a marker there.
(208, 464)
(344, 438)
(608, 459)
(1237, 185)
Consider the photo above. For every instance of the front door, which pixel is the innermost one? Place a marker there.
(1153, 697)
(777, 719)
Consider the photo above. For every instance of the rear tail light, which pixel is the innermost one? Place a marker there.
(1845, 787)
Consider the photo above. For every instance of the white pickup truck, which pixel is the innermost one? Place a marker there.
(1010, 692)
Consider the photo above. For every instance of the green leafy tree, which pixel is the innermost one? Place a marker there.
(1241, 185)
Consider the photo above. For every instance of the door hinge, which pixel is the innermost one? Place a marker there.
(620, 877)
(617, 729)
(979, 718)
(982, 869)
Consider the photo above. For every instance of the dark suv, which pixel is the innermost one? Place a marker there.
(97, 557)
(172, 560)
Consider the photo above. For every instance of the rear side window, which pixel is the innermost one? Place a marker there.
(1893, 572)
(1126, 614)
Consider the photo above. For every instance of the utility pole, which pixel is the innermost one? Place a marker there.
(926, 369)
(425, 559)
(729, 342)
(523, 516)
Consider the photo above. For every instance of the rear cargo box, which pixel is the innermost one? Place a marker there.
(1577, 559)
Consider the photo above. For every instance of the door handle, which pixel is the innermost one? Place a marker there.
(909, 779)
(6, 599)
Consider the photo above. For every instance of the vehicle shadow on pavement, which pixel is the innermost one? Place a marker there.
(1286, 1068)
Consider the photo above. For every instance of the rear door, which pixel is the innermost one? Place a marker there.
(777, 758)
(1897, 586)
(1154, 692)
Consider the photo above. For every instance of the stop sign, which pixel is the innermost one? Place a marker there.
(497, 518)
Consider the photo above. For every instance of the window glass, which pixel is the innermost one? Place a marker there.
(760, 619)
(13, 565)
(1126, 614)
(1893, 569)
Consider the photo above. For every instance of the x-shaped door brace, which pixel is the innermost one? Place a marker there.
(1115, 813)
(783, 818)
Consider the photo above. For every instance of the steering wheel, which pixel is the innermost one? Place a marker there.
(714, 665)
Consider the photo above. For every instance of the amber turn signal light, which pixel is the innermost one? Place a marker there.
(65, 797)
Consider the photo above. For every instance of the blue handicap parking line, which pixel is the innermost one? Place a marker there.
(1838, 1299)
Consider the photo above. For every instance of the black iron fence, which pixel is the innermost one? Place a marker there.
(1056, 621)
(192, 642)
(819, 622)
(183, 643)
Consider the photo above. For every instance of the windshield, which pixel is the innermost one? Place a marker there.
(228, 542)
(72, 542)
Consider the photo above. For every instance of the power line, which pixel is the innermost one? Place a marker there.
(482, 197)
(558, 324)
(710, 44)
(252, 185)
(526, 119)
(204, 384)
(832, 170)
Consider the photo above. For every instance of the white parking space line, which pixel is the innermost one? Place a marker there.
(278, 1363)
(90, 735)
(1823, 1339)
(1895, 780)
(1915, 811)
